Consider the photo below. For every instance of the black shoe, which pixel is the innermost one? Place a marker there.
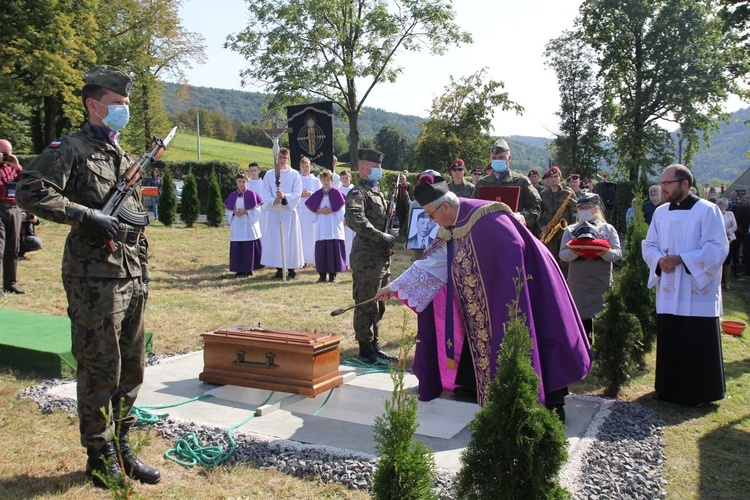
(321, 279)
(367, 354)
(135, 468)
(14, 289)
(331, 277)
(106, 463)
(465, 394)
(279, 274)
(292, 274)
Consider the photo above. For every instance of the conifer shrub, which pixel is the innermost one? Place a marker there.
(614, 362)
(517, 446)
(215, 206)
(191, 206)
(633, 280)
(406, 467)
(167, 199)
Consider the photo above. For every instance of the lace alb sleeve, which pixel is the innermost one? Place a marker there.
(419, 284)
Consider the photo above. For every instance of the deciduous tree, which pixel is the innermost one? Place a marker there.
(395, 144)
(331, 49)
(460, 122)
(578, 144)
(661, 61)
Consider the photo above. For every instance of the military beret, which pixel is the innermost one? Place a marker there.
(551, 171)
(500, 146)
(110, 78)
(458, 163)
(573, 177)
(372, 155)
(430, 188)
(533, 171)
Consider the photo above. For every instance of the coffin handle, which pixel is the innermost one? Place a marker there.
(269, 363)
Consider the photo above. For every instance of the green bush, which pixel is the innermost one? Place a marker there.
(190, 207)
(613, 350)
(406, 467)
(167, 199)
(215, 208)
(517, 446)
(225, 172)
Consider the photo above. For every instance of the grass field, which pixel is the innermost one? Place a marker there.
(184, 147)
(193, 292)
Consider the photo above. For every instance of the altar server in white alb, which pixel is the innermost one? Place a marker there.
(685, 248)
(282, 224)
(310, 184)
(243, 211)
(327, 206)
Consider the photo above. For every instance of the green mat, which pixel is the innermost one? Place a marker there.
(40, 343)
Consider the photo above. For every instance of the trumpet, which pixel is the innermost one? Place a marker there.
(557, 223)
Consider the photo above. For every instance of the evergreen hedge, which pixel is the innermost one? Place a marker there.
(190, 207)
(215, 208)
(167, 199)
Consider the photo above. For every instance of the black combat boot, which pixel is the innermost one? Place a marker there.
(105, 462)
(382, 354)
(134, 467)
(367, 354)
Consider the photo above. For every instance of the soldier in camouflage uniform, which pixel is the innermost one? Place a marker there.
(366, 212)
(69, 183)
(529, 203)
(552, 199)
(458, 184)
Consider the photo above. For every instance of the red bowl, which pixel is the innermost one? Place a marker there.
(733, 327)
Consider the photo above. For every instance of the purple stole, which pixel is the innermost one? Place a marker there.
(335, 196)
(251, 199)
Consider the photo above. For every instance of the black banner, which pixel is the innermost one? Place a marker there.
(312, 133)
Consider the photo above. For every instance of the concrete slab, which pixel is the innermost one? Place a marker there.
(340, 419)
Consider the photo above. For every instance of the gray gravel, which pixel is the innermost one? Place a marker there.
(621, 456)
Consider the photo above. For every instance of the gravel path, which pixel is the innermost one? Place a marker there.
(620, 456)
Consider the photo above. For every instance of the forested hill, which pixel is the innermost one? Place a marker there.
(725, 160)
(246, 106)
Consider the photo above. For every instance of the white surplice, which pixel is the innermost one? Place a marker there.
(698, 237)
(282, 218)
(329, 226)
(307, 220)
(244, 227)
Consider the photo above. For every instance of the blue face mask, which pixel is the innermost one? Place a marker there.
(376, 173)
(499, 165)
(118, 115)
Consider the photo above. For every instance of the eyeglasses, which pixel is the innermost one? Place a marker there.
(664, 183)
(431, 216)
(459, 169)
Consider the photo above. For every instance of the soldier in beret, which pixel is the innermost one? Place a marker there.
(68, 183)
(370, 259)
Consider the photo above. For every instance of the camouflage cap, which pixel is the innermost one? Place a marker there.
(110, 78)
(372, 155)
(500, 146)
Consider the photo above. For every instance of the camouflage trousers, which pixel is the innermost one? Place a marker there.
(108, 339)
(369, 274)
(554, 248)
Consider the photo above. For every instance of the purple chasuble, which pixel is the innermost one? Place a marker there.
(489, 251)
(335, 196)
(251, 199)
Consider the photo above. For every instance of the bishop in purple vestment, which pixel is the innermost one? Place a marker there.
(462, 288)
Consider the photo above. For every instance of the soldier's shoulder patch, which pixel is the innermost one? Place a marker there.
(54, 144)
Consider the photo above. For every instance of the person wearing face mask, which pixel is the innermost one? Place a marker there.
(365, 214)
(529, 202)
(590, 274)
(558, 211)
(654, 200)
(69, 183)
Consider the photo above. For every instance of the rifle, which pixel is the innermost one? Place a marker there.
(115, 205)
(390, 213)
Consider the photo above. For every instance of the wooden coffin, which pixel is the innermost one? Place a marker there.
(278, 360)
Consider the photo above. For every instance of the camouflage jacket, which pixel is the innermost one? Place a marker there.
(529, 203)
(551, 202)
(72, 175)
(366, 211)
(464, 190)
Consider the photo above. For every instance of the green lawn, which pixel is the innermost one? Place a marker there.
(184, 147)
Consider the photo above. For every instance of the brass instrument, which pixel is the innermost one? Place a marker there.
(557, 221)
